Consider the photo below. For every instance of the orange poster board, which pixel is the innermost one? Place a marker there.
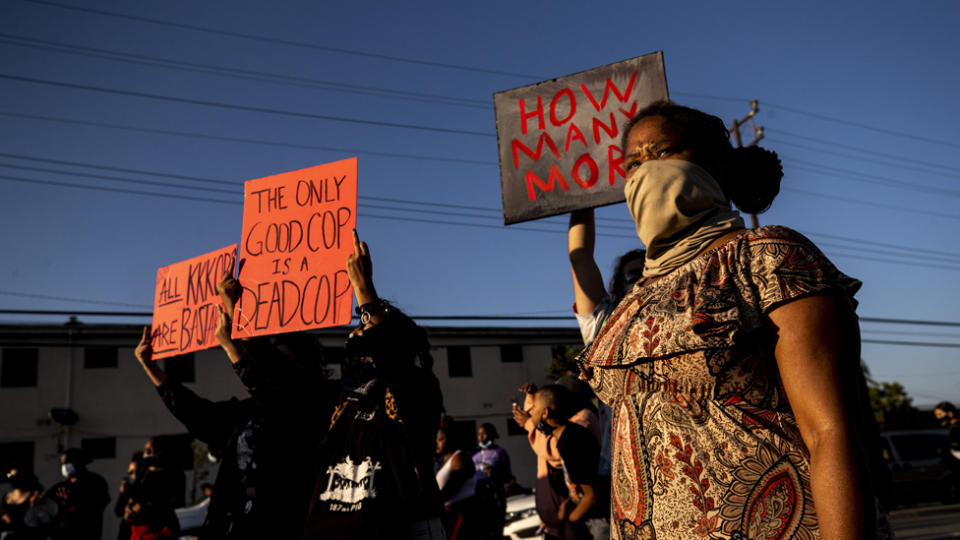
(186, 307)
(296, 238)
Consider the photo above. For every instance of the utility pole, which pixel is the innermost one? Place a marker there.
(757, 136)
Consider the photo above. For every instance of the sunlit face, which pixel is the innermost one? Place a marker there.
(650, 139)
(132, 470)
(940, 414)
(441, 441)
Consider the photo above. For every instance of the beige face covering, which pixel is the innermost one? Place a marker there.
(679, 210)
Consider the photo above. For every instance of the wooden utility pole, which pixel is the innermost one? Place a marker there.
(757, 135)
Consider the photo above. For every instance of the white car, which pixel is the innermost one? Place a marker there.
(522, 521)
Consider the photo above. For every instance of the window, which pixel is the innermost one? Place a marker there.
(19, 367)
(180, 368)
(511, 353)
(100, 448)
(15, 454)
(99, 357)
(458, 361)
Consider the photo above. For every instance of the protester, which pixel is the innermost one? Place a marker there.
(544, 445)
(149, 511)
(949, 418)
(123, 497)
(174, 478)
(377, 437)
(25, 513)
(732, 367)
(584, 509)
(260, 452)
(457, 480)
(493, 475)
(82, 496)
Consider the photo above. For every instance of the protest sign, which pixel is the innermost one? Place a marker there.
(296, 237)
(186, 306)
(559, 140)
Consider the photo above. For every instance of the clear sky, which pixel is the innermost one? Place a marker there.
(859, 99)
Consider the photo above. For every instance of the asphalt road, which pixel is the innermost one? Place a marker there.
(932, 522)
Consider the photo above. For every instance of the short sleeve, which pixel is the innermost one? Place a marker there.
(785, 266)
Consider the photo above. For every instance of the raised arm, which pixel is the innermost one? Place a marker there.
(360, 271)
(211, 422)
(588, 288)
(817, 352)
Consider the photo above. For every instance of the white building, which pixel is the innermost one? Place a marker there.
(90, 369)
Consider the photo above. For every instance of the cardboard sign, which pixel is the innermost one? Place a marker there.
(559, 140)
(186, 306)
(297, 233)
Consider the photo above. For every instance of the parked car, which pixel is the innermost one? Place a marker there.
(522, 521)
(920, 466)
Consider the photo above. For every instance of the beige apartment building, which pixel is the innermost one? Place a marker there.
(90, 369)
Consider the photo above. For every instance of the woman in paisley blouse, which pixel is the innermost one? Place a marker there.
(732, 366)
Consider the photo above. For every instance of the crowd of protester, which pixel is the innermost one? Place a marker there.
(372, 454)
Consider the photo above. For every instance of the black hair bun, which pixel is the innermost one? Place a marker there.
(755, 178)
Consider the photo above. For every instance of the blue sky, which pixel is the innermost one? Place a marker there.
(859, 99)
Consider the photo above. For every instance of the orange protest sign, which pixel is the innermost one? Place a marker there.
(186, 307)
(296, 238)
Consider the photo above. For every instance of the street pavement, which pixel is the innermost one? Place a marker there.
(932, 522)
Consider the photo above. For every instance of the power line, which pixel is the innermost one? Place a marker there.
(861, 126)
(240, 139)
(834, 144)
(880, 320)
(247, 108)
(912, 262)
(462, 67)
(278, 41)
(193, 67)
(66, 299)
(872, 161)
(867, 203)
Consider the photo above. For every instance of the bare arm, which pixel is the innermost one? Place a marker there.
(360, 271)
(144, 353)
(817, 346)
(586, 502)
(588, 288)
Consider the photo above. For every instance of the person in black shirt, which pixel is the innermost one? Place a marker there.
(376, 431)
(586, 507)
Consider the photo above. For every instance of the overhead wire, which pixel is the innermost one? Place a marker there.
(246, 108)
(279, 41)
(243, 74)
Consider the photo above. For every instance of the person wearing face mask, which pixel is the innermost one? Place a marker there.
(82, 495)
(492, 464)
(732, 367)
(946, 413)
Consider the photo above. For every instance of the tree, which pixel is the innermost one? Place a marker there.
(564, 361)
(889, 401)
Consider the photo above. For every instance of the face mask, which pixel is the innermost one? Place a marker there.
(358, 367)
(68, 470)
(486, 444)
(544, 427)
(679, 209)
(211, 458)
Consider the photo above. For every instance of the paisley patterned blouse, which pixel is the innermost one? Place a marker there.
(705, 443)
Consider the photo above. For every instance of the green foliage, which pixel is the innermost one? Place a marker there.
(889, 397)
(563, 362)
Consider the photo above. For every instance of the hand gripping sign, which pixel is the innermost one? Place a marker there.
(296, 238)
(559, 140)
(186, 307)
